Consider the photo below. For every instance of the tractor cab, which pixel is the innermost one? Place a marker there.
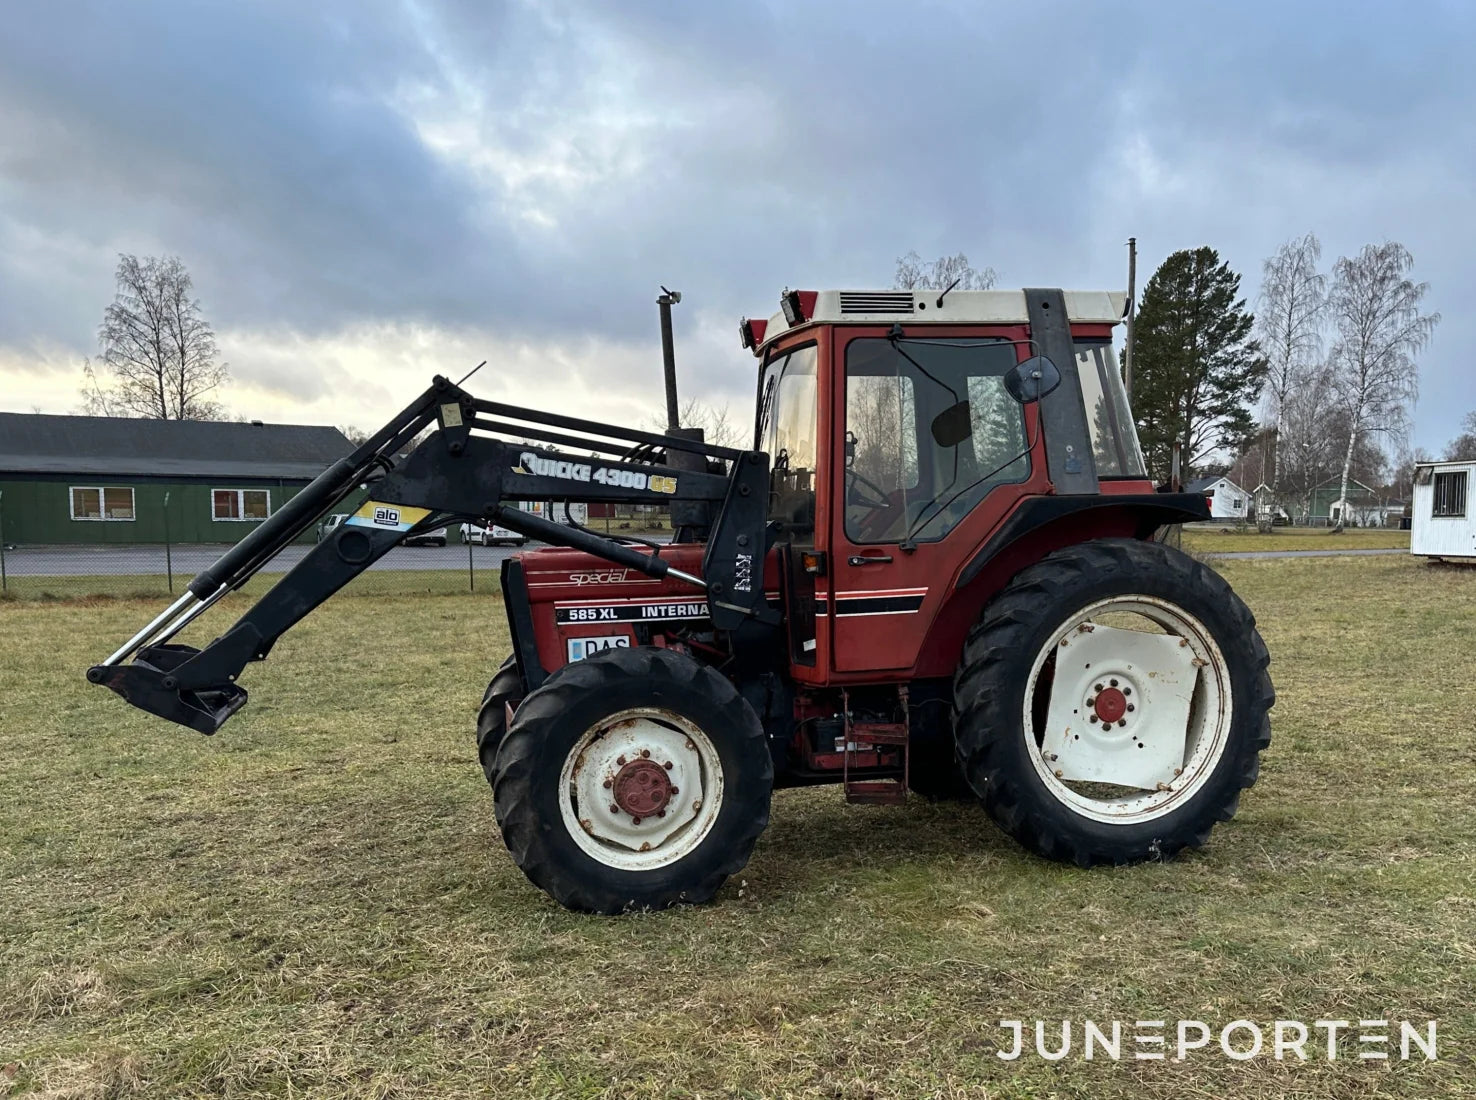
(905, 427)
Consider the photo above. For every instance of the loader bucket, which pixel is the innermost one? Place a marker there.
(147, 683)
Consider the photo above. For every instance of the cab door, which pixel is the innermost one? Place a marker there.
(930, 454)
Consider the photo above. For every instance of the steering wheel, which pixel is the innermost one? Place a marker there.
(883, 498)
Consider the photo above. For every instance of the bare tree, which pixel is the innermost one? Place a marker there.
(158, 350)
(1376, 313)
(1463, 446)
(715, 421)
(915, 274)
(1289, 318)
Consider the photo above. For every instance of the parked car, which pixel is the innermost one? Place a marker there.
(436, 536)
(493, 535)
(327, 524)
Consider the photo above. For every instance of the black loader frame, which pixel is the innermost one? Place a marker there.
(451, 476)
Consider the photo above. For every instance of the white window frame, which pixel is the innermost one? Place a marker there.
(102, 504)
(240, 506)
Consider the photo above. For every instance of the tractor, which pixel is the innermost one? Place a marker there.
(935, 570)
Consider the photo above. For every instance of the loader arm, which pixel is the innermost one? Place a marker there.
(451, 475)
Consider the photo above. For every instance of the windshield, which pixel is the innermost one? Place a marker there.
(787, 430)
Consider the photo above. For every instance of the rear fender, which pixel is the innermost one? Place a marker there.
(1039, 526)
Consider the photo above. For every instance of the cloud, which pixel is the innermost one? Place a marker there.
(362, 188)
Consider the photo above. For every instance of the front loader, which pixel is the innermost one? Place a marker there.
(935, 570)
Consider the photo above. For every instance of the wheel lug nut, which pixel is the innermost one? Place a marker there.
(1098, 688)
(609, 783)
(660, 813)
(645, 754)
(614, 809)
(620, 760)
(667, 765)
(1112, 682)
(1131, 707)
(1092, 718)
(674, 789)
(1127, 691)
(1121, 722)
(635, 820)
(1092, 701)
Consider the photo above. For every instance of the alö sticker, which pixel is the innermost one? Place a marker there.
(387, 517)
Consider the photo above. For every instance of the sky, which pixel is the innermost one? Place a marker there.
(370, 192)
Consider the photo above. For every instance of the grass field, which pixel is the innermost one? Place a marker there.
(315, 902)
(1209, 538)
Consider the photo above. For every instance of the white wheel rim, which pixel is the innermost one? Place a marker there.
(641, 789)
(1168, 742)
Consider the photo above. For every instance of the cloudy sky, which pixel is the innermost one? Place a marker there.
(370, 192)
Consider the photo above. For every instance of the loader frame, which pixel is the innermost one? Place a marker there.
(452, 476)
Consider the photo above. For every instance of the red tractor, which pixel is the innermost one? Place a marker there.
(935, 569)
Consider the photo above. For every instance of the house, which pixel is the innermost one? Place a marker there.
(1442, 521)
(1365, 508)
(1263, 503)
(1227, 499)
(114, 480)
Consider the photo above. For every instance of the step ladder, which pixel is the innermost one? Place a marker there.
(865, 736)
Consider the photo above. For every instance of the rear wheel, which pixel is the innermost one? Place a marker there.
(1112, 703)
(633, 779)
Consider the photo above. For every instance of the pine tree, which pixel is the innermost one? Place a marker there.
(1198, 373)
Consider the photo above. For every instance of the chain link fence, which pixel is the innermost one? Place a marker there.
(104, 561)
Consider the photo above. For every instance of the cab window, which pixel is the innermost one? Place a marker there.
(787, 429)
(930, 430)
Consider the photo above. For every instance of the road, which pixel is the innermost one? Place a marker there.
(1262, 555)
(133, 561)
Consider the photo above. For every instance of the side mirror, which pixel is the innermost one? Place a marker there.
(850, 447)
(1033, 379)
(953, 425)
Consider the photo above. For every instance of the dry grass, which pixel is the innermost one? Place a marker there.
(1219, 538)
(315, 901)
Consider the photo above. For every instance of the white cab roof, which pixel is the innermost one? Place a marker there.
(960, 307)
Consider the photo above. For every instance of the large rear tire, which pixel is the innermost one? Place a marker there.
(633, 779)
(505, 689)
(1113, 701)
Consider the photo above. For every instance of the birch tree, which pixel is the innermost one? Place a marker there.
(1375, 309)
(1289, 318)
(915, 273)
(158, 352)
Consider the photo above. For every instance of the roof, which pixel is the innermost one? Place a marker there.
(1203, 484)
(1434, 462)
(959, 307)
(1337, 483)
(36, 443)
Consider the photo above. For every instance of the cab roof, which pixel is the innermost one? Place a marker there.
(915, 307)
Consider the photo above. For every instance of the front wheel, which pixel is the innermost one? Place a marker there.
(1113, 701)
(634, 779)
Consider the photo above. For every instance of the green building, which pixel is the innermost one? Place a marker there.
(114, 480)
(1363, 503)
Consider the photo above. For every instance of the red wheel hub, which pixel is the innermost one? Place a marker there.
(641, 788)
(1111, 704)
